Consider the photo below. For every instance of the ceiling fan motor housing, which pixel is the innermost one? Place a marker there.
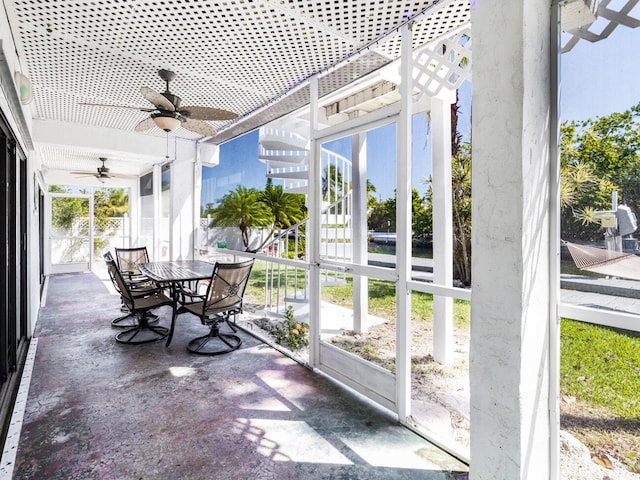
(102, 169)
(174, 99)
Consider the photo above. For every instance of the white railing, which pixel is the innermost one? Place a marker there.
(336, 176)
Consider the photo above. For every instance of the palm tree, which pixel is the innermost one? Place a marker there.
(371, 198)
(331, 183)
(244, 209)
(286, 208)
(461, 191)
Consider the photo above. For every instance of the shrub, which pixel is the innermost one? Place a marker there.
(289, 333)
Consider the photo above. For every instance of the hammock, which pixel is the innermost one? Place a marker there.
(605, 262)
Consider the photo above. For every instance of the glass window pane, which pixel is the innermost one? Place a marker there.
(146, 213)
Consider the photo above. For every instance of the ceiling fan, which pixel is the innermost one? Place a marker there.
(102, 173)
(168, 113)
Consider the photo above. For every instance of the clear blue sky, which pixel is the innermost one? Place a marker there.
(601, 78)
(596, 79)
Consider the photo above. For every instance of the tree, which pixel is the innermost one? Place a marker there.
(248, 208)
(611, 144)
(461, 191)
(371, 198)
(111, 202)
(332, 183)
(382, 216)
(598, 157)
(286, 208)
(241, 208)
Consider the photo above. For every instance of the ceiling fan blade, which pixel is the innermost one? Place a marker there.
(144, 125)
(157, 99)
(207, 113)
(120, 175)
(82, 173)
(141, 109)
(199, 127)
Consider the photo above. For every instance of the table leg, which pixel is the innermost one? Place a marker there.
(174, 297)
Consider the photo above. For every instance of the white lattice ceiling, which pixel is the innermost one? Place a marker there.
(250, 57)
(239, 55)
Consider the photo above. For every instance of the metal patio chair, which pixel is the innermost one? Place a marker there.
(128, 260)
(139, 302)
(223, 300)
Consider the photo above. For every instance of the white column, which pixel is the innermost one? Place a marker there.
(157, 209)
(313, 232)
(403, 232)
(182, 200)
(197, 194)
(442, 226)
(359, 230)
(134, 213)
(509, 356)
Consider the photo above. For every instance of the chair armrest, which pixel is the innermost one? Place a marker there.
(191, 292)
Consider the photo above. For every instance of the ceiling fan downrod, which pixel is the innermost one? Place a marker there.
(168, 76)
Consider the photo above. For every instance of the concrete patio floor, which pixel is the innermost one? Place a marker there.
(99, 409)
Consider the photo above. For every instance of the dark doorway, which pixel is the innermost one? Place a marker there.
(13, 275)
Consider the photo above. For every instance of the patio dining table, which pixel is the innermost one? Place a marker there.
(173, 274)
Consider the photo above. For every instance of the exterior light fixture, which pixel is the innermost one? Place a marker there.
(166, 122)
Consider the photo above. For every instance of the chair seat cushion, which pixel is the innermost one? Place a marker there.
(155, 300)
(196, 309)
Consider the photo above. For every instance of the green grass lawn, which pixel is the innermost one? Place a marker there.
(382, 301)
(601, 366)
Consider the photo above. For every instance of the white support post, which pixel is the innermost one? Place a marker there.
(197, 194)
(134, 220)
(157, 209)
(442, 227)
(359, 231)
(509, 355)
(403, 231)
(182, 224)
(313, 232)
(554, 245)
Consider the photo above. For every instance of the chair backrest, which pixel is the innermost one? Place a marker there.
(118, 280)
(227, 286)
(129, 258)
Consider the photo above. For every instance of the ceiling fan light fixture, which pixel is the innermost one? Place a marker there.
(166, 123)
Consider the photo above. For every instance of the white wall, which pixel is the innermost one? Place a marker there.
(9, 95)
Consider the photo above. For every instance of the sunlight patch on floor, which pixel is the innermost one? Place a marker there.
(289, 441)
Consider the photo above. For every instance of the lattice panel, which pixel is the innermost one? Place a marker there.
(611, 14)
(444, 65)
